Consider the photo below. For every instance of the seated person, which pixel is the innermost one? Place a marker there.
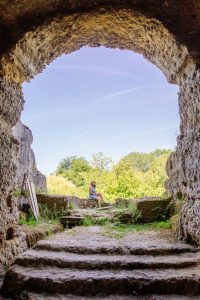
(94, 195)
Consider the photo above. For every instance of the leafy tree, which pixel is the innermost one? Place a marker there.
(135, 175)
(65, 164)
(60, 185)
(101, 162)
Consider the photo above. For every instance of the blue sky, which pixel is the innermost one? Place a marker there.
(99, 99)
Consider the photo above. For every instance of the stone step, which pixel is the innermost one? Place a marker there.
(94, 282)
(113, 248)
(109, 207)
(35, 296)
(33, 258)
(72, 220)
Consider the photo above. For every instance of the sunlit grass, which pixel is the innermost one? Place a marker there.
(118, 230)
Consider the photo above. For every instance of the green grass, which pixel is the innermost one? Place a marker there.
(119, 230)
(32, 222)
(87, 221)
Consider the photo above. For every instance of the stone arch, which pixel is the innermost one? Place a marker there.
(143, 28)
(121, 28)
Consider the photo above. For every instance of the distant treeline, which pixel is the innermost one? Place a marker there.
(135, 175)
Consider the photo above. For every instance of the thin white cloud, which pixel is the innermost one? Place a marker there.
(77, 136)
(133, 134)
(47, 113)
(72, 111)
(117, 94)
(102, 70)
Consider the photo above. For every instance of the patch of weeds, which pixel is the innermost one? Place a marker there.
(180, 197)
(72, 205)
(121, 204)
(31, 221)
(19, 193)
(51, 214)
(88, 221)
(128, 215)
(160, 214)
(47, 216)
(118, 230)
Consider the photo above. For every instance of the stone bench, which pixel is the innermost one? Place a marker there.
(71, 221)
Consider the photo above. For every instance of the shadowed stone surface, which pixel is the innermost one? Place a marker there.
(26, 161)
(86, 262)
(167, 32)
(64, 202)
(32, 296)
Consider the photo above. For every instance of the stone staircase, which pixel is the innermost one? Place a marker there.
(75, 217)
(85, 263)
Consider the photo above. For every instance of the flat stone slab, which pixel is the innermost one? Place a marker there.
(86, 262)
(33, 296)
(98, 261)
(83, 282)
(71, 220)
(93, 240)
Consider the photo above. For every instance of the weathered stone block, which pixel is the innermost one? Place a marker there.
(64, 202)
(152, 209)
(26, 162)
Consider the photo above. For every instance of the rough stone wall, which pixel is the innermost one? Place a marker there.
(183, 167)
(26, 163)
(11, 103)
(167, 32)
(61, 202)
(123, 28)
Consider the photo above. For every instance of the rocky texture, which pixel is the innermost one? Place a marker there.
(35, 296)
(34, 234)
(64, 202)
(71, 221)
(85, 262)
(11, 102)
(166, 32)
(26, 163)
(153, 209)
(16, 159)
(149, 209)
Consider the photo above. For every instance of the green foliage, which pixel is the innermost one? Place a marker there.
(19, 193)
(119, 230)
(101, 162)
(134, 176)
(60, 185)
(47, 213)
(89, 221)
(72, 168)
(180, 197)
(31, 222)
(65, 164)
(86, 222)
(72, 206)
(127, 213)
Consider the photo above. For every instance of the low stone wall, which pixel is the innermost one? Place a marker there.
(150, 208)
(53, 201)
(34, 234)
(153, 209)
(63, 202)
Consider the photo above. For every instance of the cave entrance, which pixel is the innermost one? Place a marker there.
(42, 37)
(102, 100)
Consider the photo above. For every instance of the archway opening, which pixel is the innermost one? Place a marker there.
(102, 100)
(114, 27)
